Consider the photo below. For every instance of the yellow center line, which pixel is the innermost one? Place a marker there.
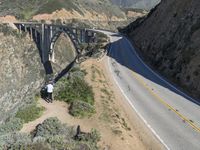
(192, 124)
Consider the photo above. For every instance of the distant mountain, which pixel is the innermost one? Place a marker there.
(138, 4)
(27, 8)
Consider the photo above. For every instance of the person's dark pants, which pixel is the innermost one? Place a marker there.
(50, 98)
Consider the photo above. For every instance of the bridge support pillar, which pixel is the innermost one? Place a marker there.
(20, 29)
(31, 33)
(25, 28)
(51, 52)
(52, 57)
(42, 43)
(36, 37)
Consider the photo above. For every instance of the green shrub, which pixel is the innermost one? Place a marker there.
(57, 141)
(75, 89)
(15, 141)
(51, 134)
(89, 140)
(37, 146)
(95, 136)
(82, 145)
(81, 109)
(14, 124)
(76, 72)
(50, 127)
(30, 113)
(92, 137)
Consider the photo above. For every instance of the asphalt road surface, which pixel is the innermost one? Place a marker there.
(171, 115)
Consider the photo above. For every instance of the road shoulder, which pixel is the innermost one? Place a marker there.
(142, 131)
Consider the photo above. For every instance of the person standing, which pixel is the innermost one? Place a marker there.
(49, 92)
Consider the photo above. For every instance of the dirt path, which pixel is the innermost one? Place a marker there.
(55, 109)
(119, 126)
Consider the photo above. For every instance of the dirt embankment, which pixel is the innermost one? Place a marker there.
(7, 19)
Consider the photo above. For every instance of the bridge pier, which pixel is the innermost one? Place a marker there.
(52, 53)
(20, 29)
(35, 34)
(25, 28)
(31, 33)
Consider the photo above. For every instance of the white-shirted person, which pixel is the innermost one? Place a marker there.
(50, 91)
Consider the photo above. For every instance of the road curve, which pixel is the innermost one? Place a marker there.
(171, 115)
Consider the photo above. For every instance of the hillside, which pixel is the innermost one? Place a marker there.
(171, 45)
(35, 7)
(22, 76)
(137, 4)
(20, 70)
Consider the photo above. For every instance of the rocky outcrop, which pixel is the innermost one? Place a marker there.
(169, 40)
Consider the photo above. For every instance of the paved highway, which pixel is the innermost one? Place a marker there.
(171, 115)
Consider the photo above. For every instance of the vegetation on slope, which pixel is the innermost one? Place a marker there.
(11, 125)
(53, 5)
(75, 91)
(30, 113)
(51, 134)
(34, 7)
(23, 115)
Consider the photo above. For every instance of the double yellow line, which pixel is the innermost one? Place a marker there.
(192, 124)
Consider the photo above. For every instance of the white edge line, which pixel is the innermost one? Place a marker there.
(129, 101)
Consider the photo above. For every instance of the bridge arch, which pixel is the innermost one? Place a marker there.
(68, 33)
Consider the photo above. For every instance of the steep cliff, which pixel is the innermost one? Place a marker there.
(169, 40)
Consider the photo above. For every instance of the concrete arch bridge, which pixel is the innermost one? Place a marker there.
(46, 35)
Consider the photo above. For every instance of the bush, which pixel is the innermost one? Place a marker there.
(14, 141)
(51, 134)
(19, 141)
(51, 127)
(56, 141)
(74, 89)
(38, 146)
(81, 109)
(76, 72)
(14, 124)
(92, 137)
(95, 136)
(30, 113)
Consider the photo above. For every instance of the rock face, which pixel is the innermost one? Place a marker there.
(20, 73)
(169, 38)
(139, 4)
